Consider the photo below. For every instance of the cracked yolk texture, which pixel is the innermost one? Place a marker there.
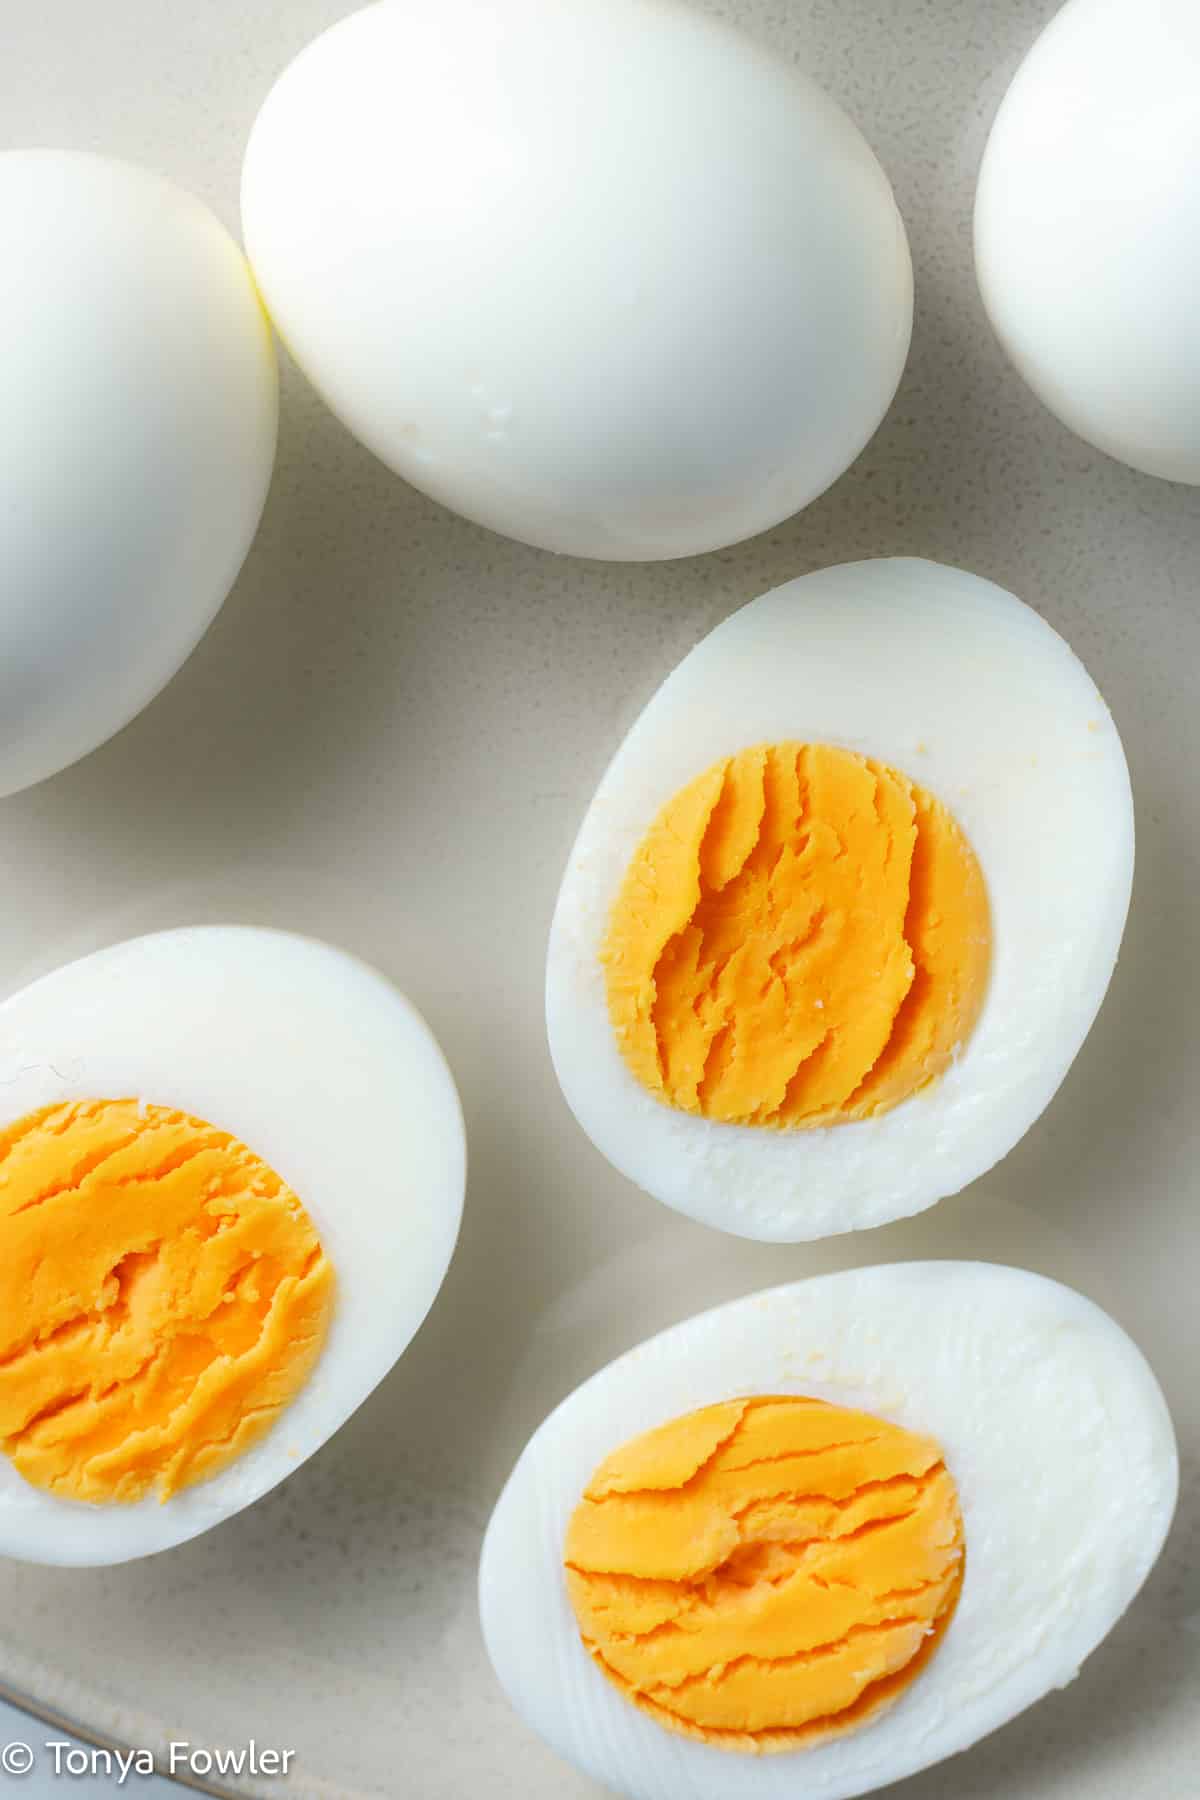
(801, 939)
(163, 1295)
(766, 1573)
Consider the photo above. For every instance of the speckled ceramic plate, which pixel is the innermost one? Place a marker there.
(388, 739)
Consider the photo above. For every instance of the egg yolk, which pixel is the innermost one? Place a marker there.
(802, 938)
(163, 1295)
(767, 1573)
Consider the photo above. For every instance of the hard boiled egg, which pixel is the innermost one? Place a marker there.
(1087, 233)
(845, 903)
(604, 275)
(137, 438)
(231, 1179)
(825, 1536)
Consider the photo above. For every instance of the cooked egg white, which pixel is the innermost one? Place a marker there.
(845, 904)
(822, 1537)
(231, 1178)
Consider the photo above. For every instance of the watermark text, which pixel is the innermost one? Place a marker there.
(59, 1757)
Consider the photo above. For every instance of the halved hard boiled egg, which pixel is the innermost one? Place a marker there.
(231, 1178)
(822, 1537)
(845, 904)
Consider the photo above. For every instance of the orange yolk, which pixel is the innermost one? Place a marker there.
(766, 1573)
(802, 938)
(163, 1296)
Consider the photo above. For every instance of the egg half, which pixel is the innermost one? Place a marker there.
(845, 903)
(604, 275)
(1087, 233)
(137, 439)
(231, 1178)
(958, 1473)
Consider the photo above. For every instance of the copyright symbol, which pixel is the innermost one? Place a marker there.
(16, 1759)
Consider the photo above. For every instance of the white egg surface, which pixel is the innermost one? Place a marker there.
(603, 275)
(1053, 1429)
(1087, 234)
(951, 680)
(330, 1076)
(137, 438)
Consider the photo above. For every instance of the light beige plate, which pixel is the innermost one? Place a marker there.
(388, 739)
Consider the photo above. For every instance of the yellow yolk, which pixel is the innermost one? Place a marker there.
(163, 1295)
(766, 1573)
(802, 938)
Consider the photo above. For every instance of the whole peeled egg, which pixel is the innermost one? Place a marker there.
(603, 275)
(1087, 228)
(137, 438)
(231, 1178)
(816, 1539)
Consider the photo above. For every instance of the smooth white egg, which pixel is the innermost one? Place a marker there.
(331, 1076)
(604, 275)
(1087, 234)
(953, 681)
(137, 439)
(1053, 1428)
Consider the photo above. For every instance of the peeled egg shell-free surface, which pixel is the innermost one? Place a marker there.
(1087, 231)
(967, 690)
(604, 275)
(1052, 1425)
(318, 1064)
(137, 439)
